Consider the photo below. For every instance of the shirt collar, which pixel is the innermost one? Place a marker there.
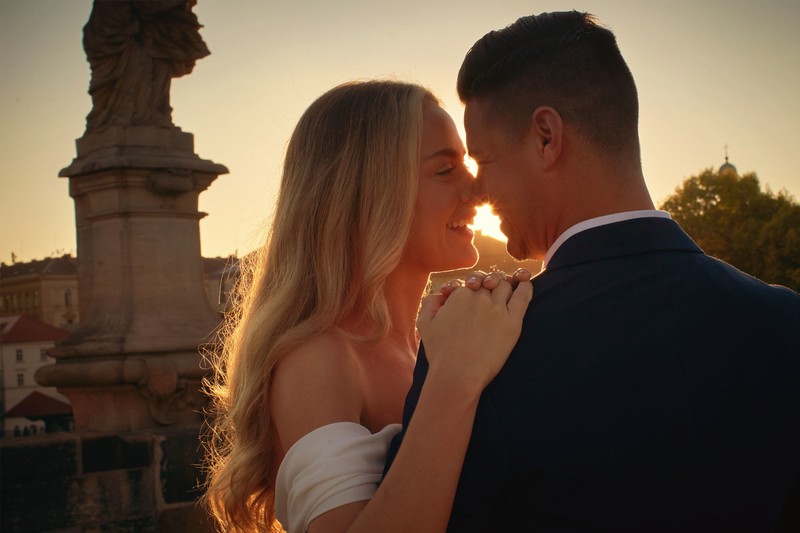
(600, 221)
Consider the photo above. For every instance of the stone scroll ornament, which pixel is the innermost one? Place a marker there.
(135, 48)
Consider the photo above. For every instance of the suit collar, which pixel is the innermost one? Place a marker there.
(620, 239)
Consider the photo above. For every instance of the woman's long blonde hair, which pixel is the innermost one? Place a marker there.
(342, 219)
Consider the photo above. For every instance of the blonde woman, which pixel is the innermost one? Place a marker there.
(322, 342)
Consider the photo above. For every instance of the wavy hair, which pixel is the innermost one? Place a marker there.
(350, 172)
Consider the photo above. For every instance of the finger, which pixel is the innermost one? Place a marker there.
(522, 296)
(522, 274)
(429, 307)
(502, 292)
(492, 280)
(448, 287)
(475, 279)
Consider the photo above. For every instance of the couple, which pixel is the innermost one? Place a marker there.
(648, 387)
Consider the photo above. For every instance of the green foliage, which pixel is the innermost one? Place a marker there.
(731, 218)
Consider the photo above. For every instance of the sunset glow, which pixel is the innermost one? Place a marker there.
(250, 41)
(488, 223)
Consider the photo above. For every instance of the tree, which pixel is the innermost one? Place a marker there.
(731, 218)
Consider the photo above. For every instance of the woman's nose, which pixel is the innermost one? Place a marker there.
(476, 192)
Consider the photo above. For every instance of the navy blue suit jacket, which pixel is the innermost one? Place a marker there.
(653, 388)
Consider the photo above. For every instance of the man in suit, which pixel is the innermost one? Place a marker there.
(653, 388)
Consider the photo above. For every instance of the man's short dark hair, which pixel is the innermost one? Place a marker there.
(564, 60)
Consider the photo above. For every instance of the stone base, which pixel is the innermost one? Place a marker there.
(124, 394)
(90, 482)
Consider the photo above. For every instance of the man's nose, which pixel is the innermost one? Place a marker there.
(465, 192)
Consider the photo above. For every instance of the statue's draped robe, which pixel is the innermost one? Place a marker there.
(135, 48)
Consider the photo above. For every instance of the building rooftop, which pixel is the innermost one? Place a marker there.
(36, 405)
(66, 265)
(217, 266)
(22, 328)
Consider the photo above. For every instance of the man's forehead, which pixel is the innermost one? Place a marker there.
(474, 125)
(473, 111)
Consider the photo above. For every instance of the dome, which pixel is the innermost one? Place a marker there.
(727, 166)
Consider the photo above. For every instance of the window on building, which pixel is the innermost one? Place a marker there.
(20, 380)
(43, 354)
(19, 356)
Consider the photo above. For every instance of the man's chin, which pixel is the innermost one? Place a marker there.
(517, 250)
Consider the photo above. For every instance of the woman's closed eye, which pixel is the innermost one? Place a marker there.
(445, 170)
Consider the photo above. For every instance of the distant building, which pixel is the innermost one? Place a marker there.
(26, 407)
(727, 166)
(45, 289)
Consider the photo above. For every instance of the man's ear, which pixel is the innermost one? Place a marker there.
(547, 130)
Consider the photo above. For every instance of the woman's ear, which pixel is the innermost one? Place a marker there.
(547, 130)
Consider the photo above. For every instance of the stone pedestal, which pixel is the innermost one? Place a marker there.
(133, 362)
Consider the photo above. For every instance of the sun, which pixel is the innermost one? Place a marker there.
(488, 223)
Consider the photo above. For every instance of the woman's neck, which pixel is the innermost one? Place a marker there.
(404, 289)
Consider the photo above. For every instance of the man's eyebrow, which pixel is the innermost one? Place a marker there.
(449, 152)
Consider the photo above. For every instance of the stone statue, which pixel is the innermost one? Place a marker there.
(135, 48)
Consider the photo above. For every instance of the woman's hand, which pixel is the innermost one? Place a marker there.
(468, 334)
(478, 278)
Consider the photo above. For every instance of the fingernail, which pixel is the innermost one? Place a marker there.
(472, 279)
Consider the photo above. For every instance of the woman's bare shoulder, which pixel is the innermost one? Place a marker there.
(317, 383)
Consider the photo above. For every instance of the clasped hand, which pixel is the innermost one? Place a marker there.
(469, 328)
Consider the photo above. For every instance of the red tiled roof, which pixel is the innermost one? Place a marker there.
(37, 404)
(22, 328)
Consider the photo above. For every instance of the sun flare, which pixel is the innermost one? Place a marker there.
(488, 223)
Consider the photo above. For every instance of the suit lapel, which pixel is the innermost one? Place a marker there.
(620, 239)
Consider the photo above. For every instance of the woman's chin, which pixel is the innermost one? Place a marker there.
(467, 258)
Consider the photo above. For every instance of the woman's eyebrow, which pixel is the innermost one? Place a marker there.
(449, 152)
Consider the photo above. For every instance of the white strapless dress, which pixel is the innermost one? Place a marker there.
(332, 466)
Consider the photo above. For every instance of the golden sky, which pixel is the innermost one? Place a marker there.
(709, 73)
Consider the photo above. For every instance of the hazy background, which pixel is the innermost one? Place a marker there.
(708, 72)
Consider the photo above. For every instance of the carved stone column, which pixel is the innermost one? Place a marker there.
(133, 362)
